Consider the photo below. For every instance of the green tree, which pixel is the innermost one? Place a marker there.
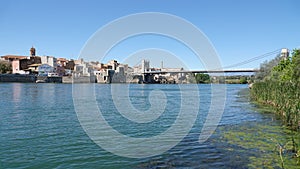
(288, 69)
(243, 80)
(296, 65)
(5, 67)
(202, 78)
(266, 69)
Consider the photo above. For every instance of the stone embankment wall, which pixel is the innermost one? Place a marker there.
(81, 79)
(17, 78)
(50, 79)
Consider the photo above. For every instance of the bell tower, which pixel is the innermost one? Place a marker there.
(32, 51)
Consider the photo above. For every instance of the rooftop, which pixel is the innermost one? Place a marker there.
(13, 57)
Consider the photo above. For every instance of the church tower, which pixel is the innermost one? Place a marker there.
(32, 51)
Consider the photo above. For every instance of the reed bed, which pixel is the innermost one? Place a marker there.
(284, 96)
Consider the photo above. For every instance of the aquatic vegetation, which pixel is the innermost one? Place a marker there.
(269, 146)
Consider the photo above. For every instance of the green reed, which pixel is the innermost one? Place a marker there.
(284, 96)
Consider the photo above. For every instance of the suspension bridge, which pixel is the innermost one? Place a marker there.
(225, 69)
(204, 71)
(149, 75)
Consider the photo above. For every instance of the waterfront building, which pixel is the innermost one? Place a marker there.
(119, 75)
(113, 64)
(50, 60)
(16, 68)
(112, 72)
(21, 66)
(82, 73)
(104, 75)
(70, 65)
(83, 70)
(61, 61)
(33, 68)
(45, 69)
(79, 61)
(60, 70)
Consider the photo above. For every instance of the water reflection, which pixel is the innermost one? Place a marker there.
(16, 92)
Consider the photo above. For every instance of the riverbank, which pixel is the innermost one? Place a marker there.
(17, 78)
(30, 78)
(283, 96)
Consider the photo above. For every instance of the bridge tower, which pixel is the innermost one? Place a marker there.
(145, 68)
(284, 53)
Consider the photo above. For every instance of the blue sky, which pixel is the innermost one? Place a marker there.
(238, 29)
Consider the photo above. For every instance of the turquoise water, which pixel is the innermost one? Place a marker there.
(39, 128)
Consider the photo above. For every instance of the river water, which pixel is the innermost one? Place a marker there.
(39, 128)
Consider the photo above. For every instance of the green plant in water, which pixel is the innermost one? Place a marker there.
(284, 96)
(270, 146)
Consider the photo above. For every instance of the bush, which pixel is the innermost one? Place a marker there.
(5, 67)
(202, 78)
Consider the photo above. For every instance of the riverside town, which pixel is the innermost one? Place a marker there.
(49, 69)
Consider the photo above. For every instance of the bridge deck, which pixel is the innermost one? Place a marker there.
(202, 71)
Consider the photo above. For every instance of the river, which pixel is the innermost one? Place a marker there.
(39, 128)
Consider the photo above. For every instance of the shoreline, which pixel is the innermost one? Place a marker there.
(29, 78)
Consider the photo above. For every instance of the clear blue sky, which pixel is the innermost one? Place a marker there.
(238, 29)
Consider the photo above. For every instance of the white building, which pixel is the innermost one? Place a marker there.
(50, 60)
(45, 70)
(104, 75)
(83, 73)
(113, 72)
(83, 69)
